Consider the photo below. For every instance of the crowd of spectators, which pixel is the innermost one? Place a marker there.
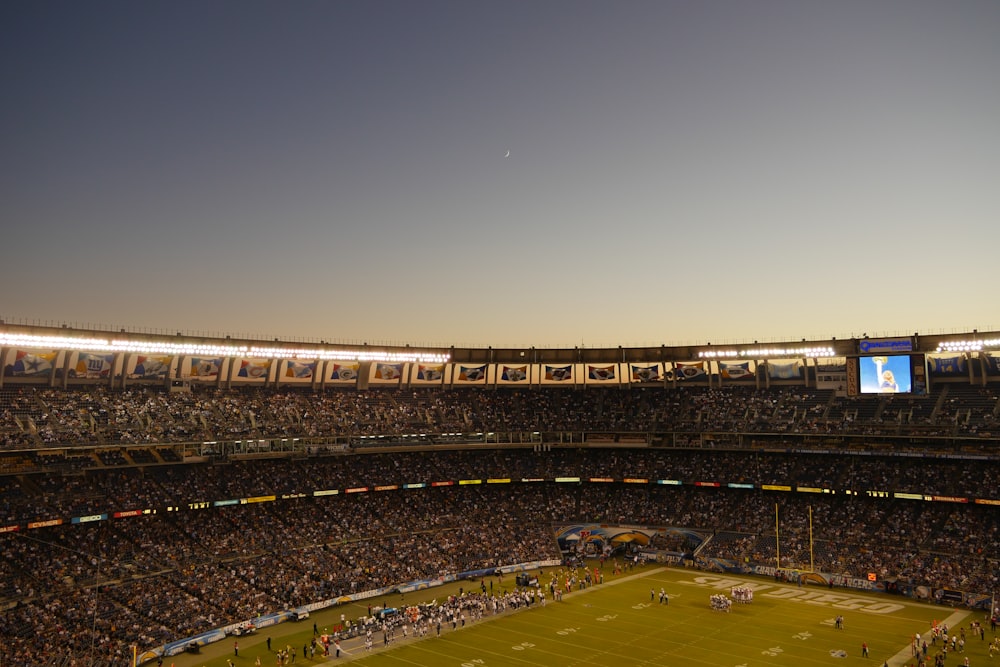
(79, 589)
(42, 496)
(183, 567)
(32, 416)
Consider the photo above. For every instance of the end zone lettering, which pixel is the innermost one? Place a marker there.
(821, 598)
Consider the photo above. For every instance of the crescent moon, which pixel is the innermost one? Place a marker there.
(508, 154)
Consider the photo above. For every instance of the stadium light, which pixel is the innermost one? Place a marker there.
(967, 345)
(191, 349)
(959, 346)
(762, 353)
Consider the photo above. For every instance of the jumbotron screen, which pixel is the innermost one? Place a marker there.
(886, 375)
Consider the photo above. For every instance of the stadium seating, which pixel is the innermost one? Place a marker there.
(102, 489)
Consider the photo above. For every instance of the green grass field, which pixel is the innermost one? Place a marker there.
(616, 624)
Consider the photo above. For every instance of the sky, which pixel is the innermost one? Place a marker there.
(481, 173)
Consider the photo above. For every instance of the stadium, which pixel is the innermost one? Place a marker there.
(164, 494)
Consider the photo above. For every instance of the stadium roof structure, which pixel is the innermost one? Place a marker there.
(66, 338)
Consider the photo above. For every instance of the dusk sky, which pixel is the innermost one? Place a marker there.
(678, 172)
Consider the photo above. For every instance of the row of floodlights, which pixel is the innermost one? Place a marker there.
(189, 349)
(967, 345)
(827, 352)
(760, 352)
(423, 435)
(253, 351)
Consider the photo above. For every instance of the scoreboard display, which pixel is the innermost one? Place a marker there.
(888, 374)
(885, 375)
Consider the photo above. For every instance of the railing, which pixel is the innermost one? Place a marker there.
(74, 459)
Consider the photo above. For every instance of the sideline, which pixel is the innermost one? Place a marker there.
(357, 643)
(215, 654)
(905, 656)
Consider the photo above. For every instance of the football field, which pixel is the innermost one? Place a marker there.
(621, 623)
